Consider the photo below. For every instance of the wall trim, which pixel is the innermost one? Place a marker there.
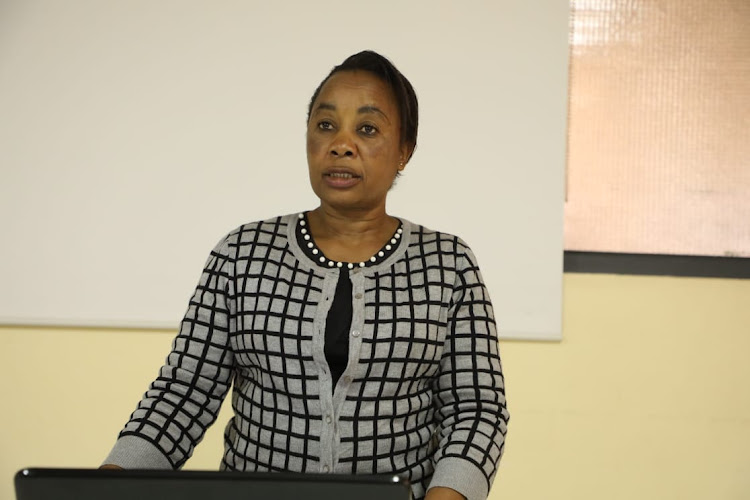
(656, 264)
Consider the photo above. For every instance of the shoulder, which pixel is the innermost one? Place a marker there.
(275, 226)
(434, 242)
(269, 232)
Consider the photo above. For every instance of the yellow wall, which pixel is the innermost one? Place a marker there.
(645, 398)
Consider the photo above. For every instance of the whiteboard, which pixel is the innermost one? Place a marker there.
(135, 134)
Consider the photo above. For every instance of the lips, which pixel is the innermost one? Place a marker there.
(341, 178)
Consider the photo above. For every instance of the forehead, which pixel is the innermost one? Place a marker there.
(360, 87)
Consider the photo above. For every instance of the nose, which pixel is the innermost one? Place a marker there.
(343, 145)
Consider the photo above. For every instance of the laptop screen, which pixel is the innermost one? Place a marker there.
(96, 484)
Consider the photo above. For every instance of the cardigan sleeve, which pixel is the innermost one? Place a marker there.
(469, 395)
(186, 396)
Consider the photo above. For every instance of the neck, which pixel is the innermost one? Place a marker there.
(327, 222)
(350, 236)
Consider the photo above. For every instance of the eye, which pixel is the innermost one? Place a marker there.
(368, 129)
(325, 125)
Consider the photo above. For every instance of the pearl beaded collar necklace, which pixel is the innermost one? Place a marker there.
(323, 260)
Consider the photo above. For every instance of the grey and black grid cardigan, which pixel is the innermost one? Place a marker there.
(422, 394)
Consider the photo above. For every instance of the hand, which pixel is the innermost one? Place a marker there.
(441, 493)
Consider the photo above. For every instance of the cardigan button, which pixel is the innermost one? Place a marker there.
(355, 333)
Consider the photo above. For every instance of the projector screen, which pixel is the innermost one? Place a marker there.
(135, 134)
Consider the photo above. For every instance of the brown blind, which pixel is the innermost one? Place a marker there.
(659, 127)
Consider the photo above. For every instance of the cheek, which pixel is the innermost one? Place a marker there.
(380, 150)
(314, 146)
(385, 154)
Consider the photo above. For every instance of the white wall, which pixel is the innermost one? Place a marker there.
(134, 134)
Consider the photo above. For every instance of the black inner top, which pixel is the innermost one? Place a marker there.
(339, 319)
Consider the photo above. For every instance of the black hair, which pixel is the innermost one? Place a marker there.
(406, 98)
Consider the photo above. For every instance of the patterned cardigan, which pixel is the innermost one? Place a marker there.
(422, 394)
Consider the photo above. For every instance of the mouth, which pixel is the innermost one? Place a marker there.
(341, 178)
(341, 175)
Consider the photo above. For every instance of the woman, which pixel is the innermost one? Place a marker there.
(357, 342)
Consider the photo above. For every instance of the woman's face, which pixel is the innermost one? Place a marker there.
(353, 142)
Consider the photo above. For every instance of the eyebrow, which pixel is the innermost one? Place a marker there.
(362, 110)
(325, 105)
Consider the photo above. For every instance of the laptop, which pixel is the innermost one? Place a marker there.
(97, 484)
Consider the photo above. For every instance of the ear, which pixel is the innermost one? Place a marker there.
(406, 151)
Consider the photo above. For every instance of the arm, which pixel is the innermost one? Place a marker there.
(440, 493)
(185, 398)
(470, 407)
